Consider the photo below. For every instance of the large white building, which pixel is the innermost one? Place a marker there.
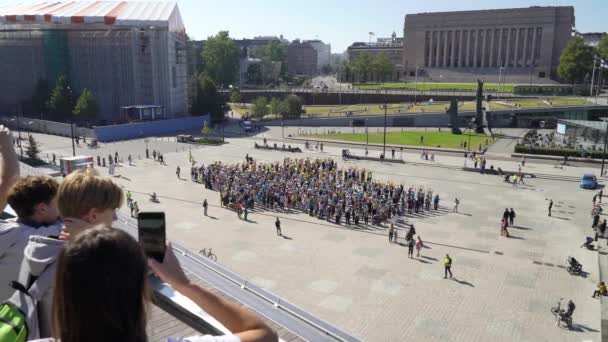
(127, 53)
(323, 52)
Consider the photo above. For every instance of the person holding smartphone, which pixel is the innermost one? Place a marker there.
(102, 276)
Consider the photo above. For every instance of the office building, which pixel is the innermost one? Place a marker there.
(301, 59)
(323, 53)
(392, 47)
(127, 53)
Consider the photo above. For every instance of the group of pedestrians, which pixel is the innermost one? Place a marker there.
(317, 187)
(508, 219)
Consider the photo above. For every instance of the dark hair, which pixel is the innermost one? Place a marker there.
(27, 192)
(100, 288)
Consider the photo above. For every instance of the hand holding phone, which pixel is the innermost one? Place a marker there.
(151, 234)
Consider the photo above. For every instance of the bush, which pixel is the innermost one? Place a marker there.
(208, 141)
(570, 152)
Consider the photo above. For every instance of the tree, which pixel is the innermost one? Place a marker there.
(40, 97)
(602, 47)
(86, 106)
(206, 98)
(235, 95)
(260, 107)
(576, 61)
(382, 66)
(206, 130)
(221, 59)
(274, 51)
(362, 66)
(275, 106)
(32, 150)
(254, 74)
(291, 107)
(345, 72)
(61, 101)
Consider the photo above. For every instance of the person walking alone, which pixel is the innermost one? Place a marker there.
(456, 203)
(447, 263)
(277, 225)
(205, 205)
(177, 172)
(391, 231)
(550, 206)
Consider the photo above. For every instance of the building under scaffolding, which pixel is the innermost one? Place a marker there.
(127, 53)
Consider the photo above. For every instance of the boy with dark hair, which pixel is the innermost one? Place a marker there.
(34, 200)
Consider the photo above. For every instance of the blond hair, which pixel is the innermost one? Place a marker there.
(82, 191)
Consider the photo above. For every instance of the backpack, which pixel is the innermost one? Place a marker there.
(19, 314)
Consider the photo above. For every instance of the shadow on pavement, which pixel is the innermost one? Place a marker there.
(462, 282)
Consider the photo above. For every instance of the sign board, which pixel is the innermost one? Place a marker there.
(561, 128)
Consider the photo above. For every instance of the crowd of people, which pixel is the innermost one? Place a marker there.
(317, 187)
(73, 277)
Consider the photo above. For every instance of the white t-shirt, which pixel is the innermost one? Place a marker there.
(14, 237)
(204, 338)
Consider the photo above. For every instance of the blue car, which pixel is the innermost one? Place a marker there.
(588, 181)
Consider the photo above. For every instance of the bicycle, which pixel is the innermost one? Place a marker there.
(209, 254)
(563, 315)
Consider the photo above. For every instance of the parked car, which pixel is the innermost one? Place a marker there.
(589, 181)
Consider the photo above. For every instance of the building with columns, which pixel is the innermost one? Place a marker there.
(520, 40)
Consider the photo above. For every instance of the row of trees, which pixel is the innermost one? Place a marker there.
(62, 103)
(290, 107)
(366, 68)
(576, 60)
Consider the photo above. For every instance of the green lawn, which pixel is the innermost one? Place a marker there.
(412, 138)
(432, 86)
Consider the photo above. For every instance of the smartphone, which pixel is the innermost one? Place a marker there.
(151, 234)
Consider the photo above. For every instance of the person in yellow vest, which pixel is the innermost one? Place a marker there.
(447, 262)
(601, 291)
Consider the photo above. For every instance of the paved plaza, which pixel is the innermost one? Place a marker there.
(502, 290)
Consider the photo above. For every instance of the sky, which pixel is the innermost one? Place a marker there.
(342, 22)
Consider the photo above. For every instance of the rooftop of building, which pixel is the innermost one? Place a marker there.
(514, 9)
(78, 13)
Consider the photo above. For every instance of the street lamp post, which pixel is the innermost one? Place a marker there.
(366, 133)
(72, 132)
(416, 85)
(592, 77)
(385, 109)
(604, 153)
(499, 78)
(19, 133)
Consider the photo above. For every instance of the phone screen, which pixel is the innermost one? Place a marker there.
(151, 234)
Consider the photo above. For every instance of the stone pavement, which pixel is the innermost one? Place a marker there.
(502, 289)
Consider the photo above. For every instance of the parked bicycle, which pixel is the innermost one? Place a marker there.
(564, 315)
(209, 254)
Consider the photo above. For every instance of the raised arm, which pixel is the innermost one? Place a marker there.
(9, 168)
(239, 321)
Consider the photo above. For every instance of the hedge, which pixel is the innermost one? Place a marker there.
(556, 151)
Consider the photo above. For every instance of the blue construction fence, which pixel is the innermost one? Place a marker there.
(149, 128)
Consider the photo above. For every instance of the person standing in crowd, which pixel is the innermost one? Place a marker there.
(419, 245)
(277, 225)
(596, 219)
(436, 201)
(447, 263)
(600, 195)
(205, 205)
(100, 259)
(511, 216)
(602, 228)
(391, 231)
(550, 206)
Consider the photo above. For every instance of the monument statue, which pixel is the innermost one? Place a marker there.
(453, 113)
